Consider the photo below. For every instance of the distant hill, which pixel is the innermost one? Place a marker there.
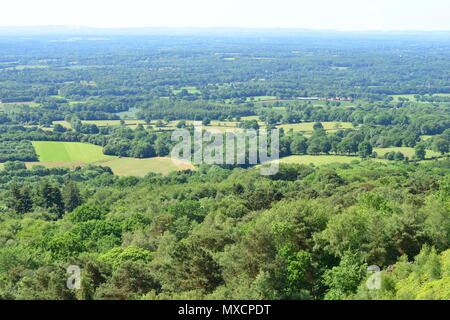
(81, 30)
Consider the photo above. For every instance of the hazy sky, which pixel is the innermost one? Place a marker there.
(316, 14)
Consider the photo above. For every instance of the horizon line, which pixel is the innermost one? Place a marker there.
(74, 27)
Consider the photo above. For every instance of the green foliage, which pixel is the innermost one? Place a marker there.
(87, 212)
(71, 196)
(420, 152)
(188, 208)
(118, 256)
(304, 233)
(425, 278)
(64, 245)
(344, 279)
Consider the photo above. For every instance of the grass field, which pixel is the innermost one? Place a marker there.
(260, 98)
(56, 151)
(411, 96)
(130, 114)
(405, 96)
(425, 137)
(408, 152)
(105, 123)
(308, 126)
(72, 154)
(140, 167)
(321, 159)
(191, 90)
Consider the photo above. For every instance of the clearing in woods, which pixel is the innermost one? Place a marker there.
(71, 154)
(57, 151)
(140, 167)
(408, 152)
(318, 160)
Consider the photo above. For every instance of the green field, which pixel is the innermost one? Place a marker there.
(411, 96)
(408, 152)
(56, 151)
(260, 98)
(308, 126)
(73, 154)
(405, 96)
(321, 159)
(140, 167)
(105, 123)
(425, 137)
(130, 114)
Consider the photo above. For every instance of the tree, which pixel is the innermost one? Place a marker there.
(142, 150)
(181, 124)
(71, 195)
(65, 245)
(420, 152)
(314, 146)
(299, 145)
(59, 128)
(348, 145)
(364, 149)
(49, 197)
(249, 124)
(20, 200)
(441, 145)
(317, 126)
(87, 212)
(399, 156)
(206, 122)
(390, 155)
(345, 278)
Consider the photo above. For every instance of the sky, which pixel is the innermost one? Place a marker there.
(311, 14)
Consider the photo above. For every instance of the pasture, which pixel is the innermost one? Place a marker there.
(318, 160)
(260, 98)
(408, 152)
(56, 151)
(190, 90)
(141, 167)
(411, 96)
(404, 96)
(106, 123)
(308, 126)
(72, 154)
